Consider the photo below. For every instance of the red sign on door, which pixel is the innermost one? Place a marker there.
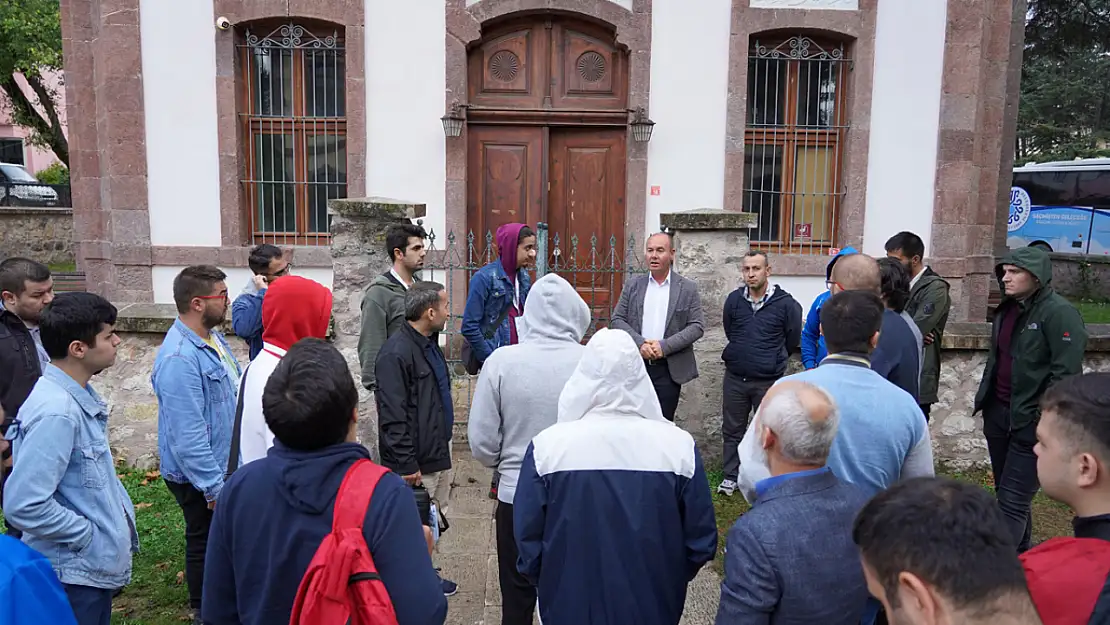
(803, 231)
(655, 189)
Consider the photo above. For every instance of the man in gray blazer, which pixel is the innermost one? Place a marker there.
(791, 559)
(662, 312)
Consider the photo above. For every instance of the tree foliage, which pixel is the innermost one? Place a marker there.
(31, 46)
(1065, 84)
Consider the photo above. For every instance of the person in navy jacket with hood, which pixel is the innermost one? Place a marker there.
(612, 515)
(273, 513)
(813, 344)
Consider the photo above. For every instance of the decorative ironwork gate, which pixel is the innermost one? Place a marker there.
(596, 268)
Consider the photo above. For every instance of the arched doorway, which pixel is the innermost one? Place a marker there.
(547, 141)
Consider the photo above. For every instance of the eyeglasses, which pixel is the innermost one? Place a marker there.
(220, 296)
(278, 274)
(829, 284)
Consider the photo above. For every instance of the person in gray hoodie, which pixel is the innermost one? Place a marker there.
(516, 398)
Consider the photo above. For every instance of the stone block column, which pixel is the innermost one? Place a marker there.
(358, 253)
(709, 249)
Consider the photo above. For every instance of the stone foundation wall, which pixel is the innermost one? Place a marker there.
(1083, 276)
(43, 234)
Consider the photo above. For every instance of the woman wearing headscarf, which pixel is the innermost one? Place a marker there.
(612, 514)
(497, 295)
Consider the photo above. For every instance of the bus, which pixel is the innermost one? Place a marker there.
(1062, 206)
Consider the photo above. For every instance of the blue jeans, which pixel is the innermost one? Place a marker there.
(91, 606)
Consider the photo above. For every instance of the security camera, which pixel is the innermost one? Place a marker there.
(223, 23)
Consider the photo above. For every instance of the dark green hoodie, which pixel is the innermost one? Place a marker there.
(929, 306)
(383, 312)
(1048, 342)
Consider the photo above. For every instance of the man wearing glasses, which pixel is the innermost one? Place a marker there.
(196, 381)
(267, 263)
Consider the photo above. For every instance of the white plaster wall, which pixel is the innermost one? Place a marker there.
(905, 117)
(689, 92)
(805, 289)
(405, 74)
(237, 279)
(624, 3)
(179, 94)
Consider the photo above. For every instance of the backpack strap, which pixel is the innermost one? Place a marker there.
(355, 493)
(237, 429)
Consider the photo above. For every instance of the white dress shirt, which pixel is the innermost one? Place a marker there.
(913, 282)
(400, 279)
(657, 298)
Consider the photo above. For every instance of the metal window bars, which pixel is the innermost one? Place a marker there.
(293, 113)
(795, 127)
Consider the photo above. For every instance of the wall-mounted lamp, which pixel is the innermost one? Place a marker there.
(641, 125)
(453, 121)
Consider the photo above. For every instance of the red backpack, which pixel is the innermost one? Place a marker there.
(341, 585)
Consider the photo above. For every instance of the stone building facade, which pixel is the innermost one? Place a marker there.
(201, 128)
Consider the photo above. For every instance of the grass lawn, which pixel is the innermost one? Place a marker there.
(1050, 519)
(1094, 312)
(157, 594)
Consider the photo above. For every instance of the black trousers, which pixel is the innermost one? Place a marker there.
(518, 595)
(666, 389)
(198, 520)
(1015, 470)
(925, 410)
(740, 397)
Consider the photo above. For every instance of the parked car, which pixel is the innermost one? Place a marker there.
(19, 188)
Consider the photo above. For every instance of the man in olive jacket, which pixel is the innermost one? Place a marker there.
(383, 303)
(929, 304)
(1038, 338)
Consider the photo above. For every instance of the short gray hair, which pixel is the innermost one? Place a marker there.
(420, 297)
(790, 414)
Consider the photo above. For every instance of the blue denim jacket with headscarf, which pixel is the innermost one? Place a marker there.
(490, 294)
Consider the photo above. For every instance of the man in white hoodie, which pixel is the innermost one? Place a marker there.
(517, 398)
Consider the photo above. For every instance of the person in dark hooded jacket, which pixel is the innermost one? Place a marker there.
(273, 513)
(1038, 338)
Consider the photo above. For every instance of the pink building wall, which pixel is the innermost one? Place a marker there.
(35, 158)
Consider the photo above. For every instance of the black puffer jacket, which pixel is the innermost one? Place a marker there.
(414, 430)
(19, 365)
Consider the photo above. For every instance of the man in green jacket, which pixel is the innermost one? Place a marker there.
(929, 305)
(383, 304)
(1038, 338)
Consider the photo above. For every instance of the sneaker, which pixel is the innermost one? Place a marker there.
(449, 587)
(727, 488)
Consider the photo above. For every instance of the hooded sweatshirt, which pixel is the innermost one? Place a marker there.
(612, 514)
(272, 516)
(813, 344)
(1046, 344)
(295, 308)
(518, 390)
(508, 237)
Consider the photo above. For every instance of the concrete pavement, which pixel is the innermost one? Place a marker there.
(467, 555)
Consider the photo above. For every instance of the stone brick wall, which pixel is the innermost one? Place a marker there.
(1084, 276)
(44, 234)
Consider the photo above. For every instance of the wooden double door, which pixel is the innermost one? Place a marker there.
(572, 178)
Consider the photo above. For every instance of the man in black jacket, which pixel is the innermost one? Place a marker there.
(25, 289)
(413, 396)
(764, 325)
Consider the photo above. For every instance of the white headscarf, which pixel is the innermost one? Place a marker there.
(611, 380)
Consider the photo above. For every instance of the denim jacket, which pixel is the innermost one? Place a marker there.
(196, 410)
(63, 491)
(490, 293)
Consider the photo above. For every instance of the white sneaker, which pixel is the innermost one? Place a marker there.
(727, 488)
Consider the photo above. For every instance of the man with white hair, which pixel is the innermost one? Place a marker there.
(612, 514)
(791, 558)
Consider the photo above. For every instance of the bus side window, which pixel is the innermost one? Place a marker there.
(1094, 189)
(1050, 188)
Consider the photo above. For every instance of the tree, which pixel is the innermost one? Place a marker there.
(1064, 111)
(30, 46)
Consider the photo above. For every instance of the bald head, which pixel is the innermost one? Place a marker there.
(858, 272)
(803, 418)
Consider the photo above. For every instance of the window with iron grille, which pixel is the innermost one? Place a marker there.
(794, 134)
(294, 131)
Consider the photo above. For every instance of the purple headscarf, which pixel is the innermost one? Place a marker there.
(507, 236)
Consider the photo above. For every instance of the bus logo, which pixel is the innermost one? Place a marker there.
(1020, 207)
